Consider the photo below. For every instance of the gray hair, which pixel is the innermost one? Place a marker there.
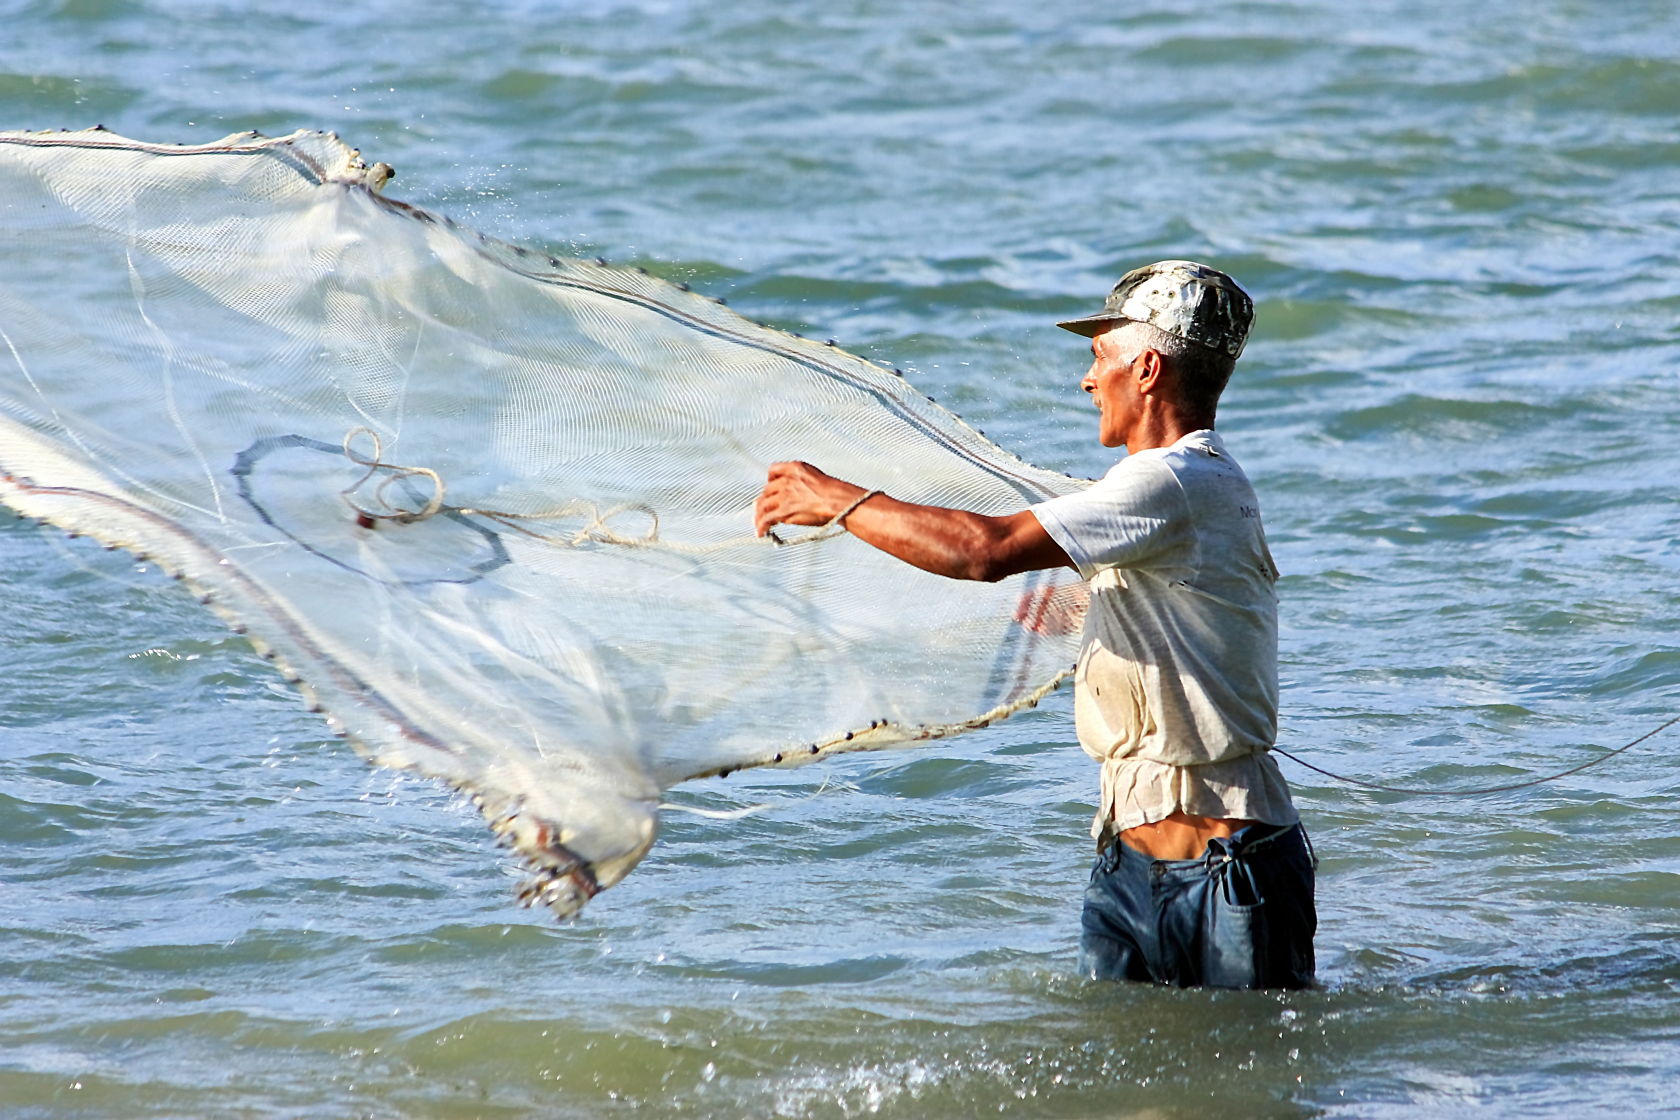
(1200, 371)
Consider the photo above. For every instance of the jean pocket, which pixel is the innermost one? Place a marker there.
(1229, 949)
(1236, 882)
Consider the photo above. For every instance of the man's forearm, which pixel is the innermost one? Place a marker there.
(947, 542)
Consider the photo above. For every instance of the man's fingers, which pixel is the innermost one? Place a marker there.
(763, 518)
(774, 504)
(791, 495)
(788, 468)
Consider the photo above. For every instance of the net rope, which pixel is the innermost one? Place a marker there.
(1481, 791)
(597, 522)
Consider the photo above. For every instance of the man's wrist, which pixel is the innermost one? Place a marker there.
(864, 496)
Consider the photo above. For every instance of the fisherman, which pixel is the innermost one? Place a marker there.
(1204, 876)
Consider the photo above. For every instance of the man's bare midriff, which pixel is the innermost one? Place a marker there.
(1180, 836)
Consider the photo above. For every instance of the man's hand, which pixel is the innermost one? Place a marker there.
(1054, 609)
(800, 494)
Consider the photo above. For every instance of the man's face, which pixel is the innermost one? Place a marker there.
(1112, 384)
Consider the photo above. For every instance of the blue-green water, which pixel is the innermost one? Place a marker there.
(1459, 408)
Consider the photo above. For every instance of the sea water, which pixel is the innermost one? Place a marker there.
(1460, 223)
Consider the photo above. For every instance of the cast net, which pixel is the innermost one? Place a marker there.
(488, 509)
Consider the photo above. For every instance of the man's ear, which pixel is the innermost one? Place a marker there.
(1148, 366)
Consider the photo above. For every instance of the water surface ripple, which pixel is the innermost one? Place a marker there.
(1459, 407)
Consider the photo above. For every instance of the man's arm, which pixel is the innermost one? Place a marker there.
(946, 542)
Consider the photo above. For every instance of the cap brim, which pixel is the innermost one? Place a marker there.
(1092, 325)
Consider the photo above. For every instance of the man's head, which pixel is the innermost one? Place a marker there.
(1192, 318)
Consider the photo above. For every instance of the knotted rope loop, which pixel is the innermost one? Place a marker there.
(375, 463)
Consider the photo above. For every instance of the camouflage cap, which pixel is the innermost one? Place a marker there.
(1183, 298)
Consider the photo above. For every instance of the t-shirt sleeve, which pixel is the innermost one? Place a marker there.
(1136, 516)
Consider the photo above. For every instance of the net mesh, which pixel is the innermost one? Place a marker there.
(488, 509)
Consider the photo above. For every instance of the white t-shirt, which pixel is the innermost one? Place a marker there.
(1176, 687)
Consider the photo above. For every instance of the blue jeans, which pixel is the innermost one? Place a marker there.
(1241, 916)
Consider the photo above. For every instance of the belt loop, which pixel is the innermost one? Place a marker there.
(1220, 851)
